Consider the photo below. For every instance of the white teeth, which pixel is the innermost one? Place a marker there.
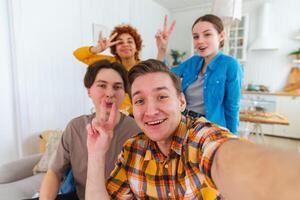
(155, 122)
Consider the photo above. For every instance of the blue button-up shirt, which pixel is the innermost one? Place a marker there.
(221, 88)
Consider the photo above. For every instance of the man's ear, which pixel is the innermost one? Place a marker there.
(89, 92)
(182, 102)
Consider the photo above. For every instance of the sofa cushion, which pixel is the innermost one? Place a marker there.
(18, 169)
(48, 156)
(21, 189)
(44, 137)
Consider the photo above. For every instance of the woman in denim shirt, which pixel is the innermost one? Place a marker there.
(211, 81)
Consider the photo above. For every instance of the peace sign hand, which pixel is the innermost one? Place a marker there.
(100, 131)
(104, 43)
(162, 37)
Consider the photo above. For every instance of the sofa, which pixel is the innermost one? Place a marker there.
(22, 178)
(17, 180)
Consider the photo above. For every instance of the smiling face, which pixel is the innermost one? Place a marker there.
(109, 87)
(126, 48)
(157, 106)
(206, 39)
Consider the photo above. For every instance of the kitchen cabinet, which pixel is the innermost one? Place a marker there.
(237, 41)
(290, 106)
(286, 105)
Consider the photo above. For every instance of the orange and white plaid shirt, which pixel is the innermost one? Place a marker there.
(143, 172)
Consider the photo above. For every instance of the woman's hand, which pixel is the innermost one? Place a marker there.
(100, 131)
(162, 38)
(104, 43)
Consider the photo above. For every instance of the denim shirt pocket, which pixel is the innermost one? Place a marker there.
(215, 89)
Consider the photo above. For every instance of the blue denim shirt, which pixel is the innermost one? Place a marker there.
(222, 87)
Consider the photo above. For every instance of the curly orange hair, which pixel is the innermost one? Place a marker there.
(126, 28)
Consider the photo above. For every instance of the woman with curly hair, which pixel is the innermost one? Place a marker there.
(125, 45)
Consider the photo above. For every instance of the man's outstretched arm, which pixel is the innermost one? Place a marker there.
(246, 171)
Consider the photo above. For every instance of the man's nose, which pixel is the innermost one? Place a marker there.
(151, 108)
(109, 92)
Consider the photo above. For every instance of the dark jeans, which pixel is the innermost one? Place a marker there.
(68, 196)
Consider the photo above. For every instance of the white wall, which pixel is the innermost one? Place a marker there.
(181, 39)
(7, 130)
(48, 79)
(270, 68)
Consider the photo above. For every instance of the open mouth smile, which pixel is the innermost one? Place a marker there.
(156, 122)
(202, 48)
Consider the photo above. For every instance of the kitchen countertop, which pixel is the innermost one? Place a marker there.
(263, 117)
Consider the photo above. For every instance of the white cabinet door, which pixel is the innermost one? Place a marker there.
(289, 106)
(237, 41)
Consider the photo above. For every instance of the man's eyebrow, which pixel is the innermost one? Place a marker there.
(161, 88)
(155, 89)
(136, 93)
(103, 81)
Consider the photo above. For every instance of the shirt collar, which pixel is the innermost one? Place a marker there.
(178, 139)
(213, 64)
(180, 136)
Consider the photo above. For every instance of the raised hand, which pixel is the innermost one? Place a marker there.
(100, 131)
(104, 43)
(162, 38)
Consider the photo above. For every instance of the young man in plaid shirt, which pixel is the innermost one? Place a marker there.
(181, 158)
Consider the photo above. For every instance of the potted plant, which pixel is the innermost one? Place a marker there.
(296, 53)
(177, 56)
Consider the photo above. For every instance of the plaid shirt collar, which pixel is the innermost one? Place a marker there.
(178, 139)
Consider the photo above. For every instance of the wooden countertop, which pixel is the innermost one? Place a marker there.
(280, 93)
(263, 117)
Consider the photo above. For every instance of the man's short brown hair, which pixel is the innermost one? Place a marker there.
(152, 66)
(93, 69)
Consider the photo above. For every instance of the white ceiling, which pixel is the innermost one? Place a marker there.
(181, 4)
(174, 5)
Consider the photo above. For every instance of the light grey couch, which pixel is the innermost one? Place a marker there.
(17, 180)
